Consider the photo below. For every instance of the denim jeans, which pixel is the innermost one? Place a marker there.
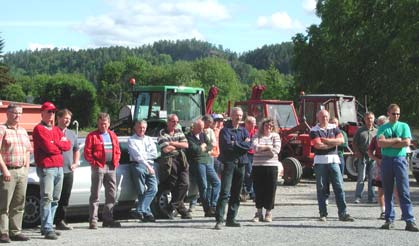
(205, 175)
(231, 185)
(248, 181)
(325, 174)
(146, 186)
(396, 168)
(51, 183)
(365, 169)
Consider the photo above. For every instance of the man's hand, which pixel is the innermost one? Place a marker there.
(203, 147)
(150, 170)
(6, 176)
(74, 166)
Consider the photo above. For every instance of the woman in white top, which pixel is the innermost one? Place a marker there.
(267, 145)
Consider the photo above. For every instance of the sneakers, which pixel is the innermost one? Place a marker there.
(346, 218)
(268, 217)
(51, 235)
(258, 217)
(63, 226)
(382, 216)
(411, 226)
(218, 226)
(19, 237)
(233, 224)
(93, 225)
(210, 212)
(4, 238)
(323, 218)
(111, 224)
(186, 216)
(388, 225)
(148, 218)
(357, 200)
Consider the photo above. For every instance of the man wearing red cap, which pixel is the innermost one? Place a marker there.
(49, 143)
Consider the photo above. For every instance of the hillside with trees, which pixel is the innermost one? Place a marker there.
(108, 70)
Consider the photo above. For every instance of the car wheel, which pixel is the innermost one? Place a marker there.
(32, 215)
(160, 204)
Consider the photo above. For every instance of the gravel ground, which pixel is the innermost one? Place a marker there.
(295, 222)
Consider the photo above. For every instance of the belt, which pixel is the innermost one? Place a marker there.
(11, 168)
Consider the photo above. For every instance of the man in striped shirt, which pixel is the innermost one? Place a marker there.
(14, 162)
(325, 138)
(173, 167)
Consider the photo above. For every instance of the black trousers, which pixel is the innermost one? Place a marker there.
(178, 183)
(65, 197)
(265, 182)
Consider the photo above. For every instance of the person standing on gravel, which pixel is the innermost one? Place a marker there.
(325, 138)
(393, 138)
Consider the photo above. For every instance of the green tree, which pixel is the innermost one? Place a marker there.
(5, 78)
(13, 92)
(215, 71)
(74, 92)
(363, 48)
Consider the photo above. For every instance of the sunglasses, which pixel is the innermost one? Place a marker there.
(395, 114)
(51, 112)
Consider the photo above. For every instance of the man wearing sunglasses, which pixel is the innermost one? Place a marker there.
(393, 138)
(49, 143)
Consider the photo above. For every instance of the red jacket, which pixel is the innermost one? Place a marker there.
(94, 149)
(48, 146)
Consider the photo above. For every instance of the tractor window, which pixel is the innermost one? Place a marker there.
(143, 102)
(331, 108)
(347, 111)
(310, 113)
(156, 101)
(186, 106)
(283, 115)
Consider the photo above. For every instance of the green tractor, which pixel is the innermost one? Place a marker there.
(154, 103)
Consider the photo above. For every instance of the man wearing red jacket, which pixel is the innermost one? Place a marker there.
(102, 151)
(49, 143)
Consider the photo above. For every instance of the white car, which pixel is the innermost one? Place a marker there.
(79, 199)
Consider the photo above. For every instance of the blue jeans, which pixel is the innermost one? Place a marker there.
(365, 169)
(204, 173)
(248, 181)
(396, 168)
(51, 183)
(325, 174)
(146, 186)
(231, 184)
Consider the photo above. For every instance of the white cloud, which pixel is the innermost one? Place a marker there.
(309, 6)
(278, 20)
(131, 23)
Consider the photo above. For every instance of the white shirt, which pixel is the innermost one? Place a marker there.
(142, 149)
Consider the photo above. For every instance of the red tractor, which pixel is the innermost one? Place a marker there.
(296, 155)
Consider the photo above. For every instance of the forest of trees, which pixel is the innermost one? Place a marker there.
(108, 70)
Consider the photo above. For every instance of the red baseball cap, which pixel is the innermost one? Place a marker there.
(47, 106)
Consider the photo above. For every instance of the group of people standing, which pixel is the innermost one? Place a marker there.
(222, 160)
(381, 155)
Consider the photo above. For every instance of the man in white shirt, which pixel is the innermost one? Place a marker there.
(143, 151)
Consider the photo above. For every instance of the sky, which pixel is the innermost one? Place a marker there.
(237, 25)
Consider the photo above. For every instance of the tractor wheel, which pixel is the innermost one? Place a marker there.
(160, 204)
(351, 167)
(292, 171)
(32, 215)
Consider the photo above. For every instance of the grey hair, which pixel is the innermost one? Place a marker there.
(236, 109)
